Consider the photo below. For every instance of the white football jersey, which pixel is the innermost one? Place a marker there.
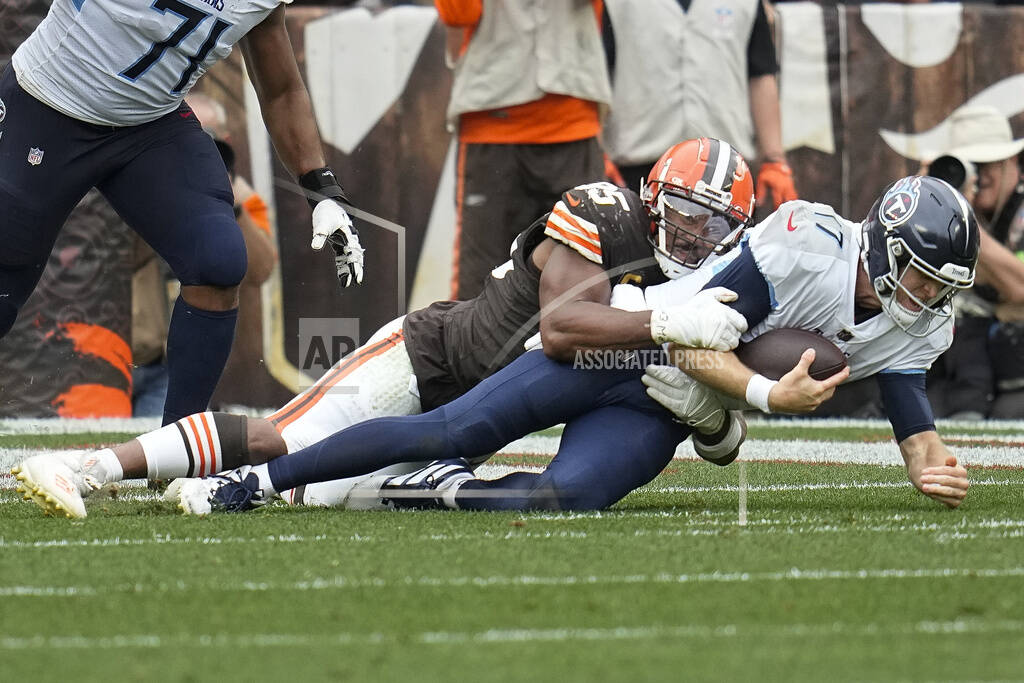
(126, 62)
(809, 256)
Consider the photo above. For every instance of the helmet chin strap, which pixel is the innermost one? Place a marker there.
(672, 269)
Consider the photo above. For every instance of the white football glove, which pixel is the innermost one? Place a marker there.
(332, 223)
(703, 322)
(628, 298)
(690, 401)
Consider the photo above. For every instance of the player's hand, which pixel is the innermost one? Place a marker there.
(628, 298)
(775, 177)
(798, 392)
(690, 401)
(332, 223)
(703, 322)
(947, 483)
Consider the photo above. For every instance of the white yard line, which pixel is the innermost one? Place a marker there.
(515, 636)
(692, 524)
(346, 583)
(144, 424)
(136, 425)
(827, 486)
(823, 452)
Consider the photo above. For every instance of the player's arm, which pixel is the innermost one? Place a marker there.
(575, 314)
(796, 391)
(288, 114)
(284, 100)
(1000, 268)
(931, 468)
(774, 177)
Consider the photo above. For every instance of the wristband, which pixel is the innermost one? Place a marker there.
(758, 389)
(659, 326)
(321, 184)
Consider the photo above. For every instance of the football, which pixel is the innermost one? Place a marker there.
(775, 353)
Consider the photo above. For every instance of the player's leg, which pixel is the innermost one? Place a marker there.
(194, 446)
(603, 456)
(551, 169)
(531, 393)
(375, 380)
(173, 189)
(47, 164)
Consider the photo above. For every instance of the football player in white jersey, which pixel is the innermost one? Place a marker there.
(880, 289)
(93, 98)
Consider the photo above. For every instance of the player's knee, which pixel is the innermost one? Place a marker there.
(207, 298)
(573, 494)
(219, 261)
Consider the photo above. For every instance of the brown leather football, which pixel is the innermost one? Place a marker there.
(776, 352)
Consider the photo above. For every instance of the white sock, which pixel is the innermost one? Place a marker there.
(262, 472)
(103, 465)
(189, 447)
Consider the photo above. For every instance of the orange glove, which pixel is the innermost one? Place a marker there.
(777, 178)
(611, 172)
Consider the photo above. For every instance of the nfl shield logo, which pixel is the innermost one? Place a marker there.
(3, 111)
(35, 156)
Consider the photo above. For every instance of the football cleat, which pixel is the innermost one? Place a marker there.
(55, 482)
(170, 494)
(235, 491)
(722, 447)
(432, 487)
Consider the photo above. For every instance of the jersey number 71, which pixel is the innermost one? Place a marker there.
(191, 18)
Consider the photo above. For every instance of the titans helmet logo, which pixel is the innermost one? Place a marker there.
(899, 202)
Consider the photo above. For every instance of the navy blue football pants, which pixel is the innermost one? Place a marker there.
(616, 438)
(165, 178)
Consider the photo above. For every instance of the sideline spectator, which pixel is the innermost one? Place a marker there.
(990, 331)
(530, 79)
(690, 68)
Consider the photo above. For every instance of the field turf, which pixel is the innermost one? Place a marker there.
(841, 572)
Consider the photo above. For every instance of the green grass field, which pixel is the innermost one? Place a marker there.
(841, 572)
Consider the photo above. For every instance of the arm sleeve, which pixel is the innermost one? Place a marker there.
(906, 402)
(744, 277)
(761, 59)
(459, 13)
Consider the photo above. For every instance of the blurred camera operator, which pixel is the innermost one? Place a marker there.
(982, 374)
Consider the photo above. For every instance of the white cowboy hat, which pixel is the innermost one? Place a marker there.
(981, 134)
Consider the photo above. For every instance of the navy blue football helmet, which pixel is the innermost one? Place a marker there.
(920, 224)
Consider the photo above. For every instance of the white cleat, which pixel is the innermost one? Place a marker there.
(56, 483)
(193, 495)
(231, 491)
(170, 493)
